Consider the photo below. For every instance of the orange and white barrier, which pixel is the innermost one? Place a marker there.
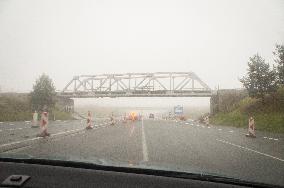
(206, 120)
(251, 128)
(43, 124)
(89, 121)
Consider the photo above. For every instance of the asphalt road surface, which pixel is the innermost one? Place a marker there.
(162, 144)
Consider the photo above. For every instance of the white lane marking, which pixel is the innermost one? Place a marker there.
(186, 123)
(132, 130)
(264, 154)
(18, 142)
(203, 126)
(15, 129)
(219, 129)
(0, 130)
(209, 127)
(1, 122)
(66, 132)
(270, 138)
(71, 135)
(231, 131)
(197, 125)
(27, 121)
(144, 145)
(18, 149)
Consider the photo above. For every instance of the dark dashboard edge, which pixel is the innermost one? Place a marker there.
(142, 171)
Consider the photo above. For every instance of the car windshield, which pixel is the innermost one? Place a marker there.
(194, 86)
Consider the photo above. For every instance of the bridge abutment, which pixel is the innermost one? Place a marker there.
(225, 100)
(65, 104)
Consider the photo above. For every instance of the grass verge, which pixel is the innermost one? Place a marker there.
(265, 121)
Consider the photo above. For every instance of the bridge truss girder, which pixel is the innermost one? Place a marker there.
(160, 84)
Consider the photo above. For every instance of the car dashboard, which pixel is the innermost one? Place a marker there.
(44, 173)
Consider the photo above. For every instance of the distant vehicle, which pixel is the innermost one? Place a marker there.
(151, 116)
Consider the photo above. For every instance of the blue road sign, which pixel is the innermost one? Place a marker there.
(178, 110)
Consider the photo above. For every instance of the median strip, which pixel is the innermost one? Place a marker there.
(23, 143)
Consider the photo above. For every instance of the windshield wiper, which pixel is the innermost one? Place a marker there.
(144, 171)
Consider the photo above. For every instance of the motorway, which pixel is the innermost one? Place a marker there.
(163, 144)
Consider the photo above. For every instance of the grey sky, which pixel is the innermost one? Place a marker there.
(64, 38)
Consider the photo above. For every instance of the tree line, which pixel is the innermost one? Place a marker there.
(261, 78)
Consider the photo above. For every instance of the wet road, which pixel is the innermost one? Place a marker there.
(185, 146)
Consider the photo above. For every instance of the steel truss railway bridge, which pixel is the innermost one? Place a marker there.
(159, 84)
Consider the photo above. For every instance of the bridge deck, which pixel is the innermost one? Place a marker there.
(137, 94)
